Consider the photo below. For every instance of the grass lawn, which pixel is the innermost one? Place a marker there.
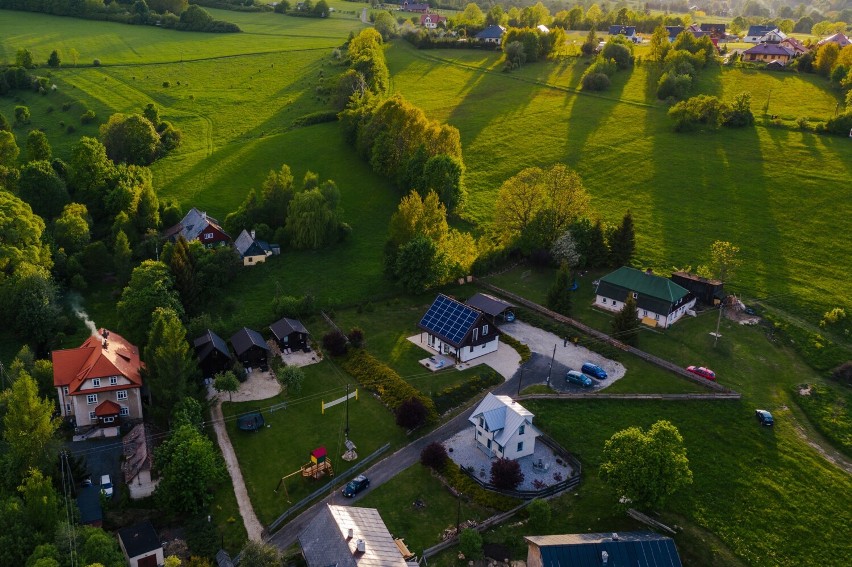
(421, 527)
(281, 448)
(828, 409)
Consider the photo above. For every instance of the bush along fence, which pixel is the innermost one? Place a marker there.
(480, 527)
(656, 360)
(454, 396)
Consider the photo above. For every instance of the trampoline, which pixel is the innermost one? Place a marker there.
(251, 421)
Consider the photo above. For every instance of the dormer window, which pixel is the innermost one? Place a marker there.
(481, 422)
(113, 380)
(96, 382)
(521, 429)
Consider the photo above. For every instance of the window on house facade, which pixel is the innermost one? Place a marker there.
(125, 411)
(485, 329)
(471, 348)
(521, 429)
(475, 334)
(96, 382)
(113, 380)
(68, 409)
(644, 313)
(121, 394)
(92, 399)
(208, 236)
(92, 416)
(520, 446)
(656, 317)
(635, 295)
(65, 390)
(109, 419)
(481, 422)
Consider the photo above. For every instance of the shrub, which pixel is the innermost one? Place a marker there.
(619, 53)
(595, 82)
(506, 474)
(166, 84)
(87, 117)
(292, 377)
(453, 396)
(434, 456)
(701, 109)
(840, 125)
(356, 337)
(461, 482)
(71, 129)
(470, 543)
(521, 348)
(22, 115)
(380, 378)
(411, 414)
(96, 62)
(335, 343)
(66, 106)
(673, 85)
(540, 514)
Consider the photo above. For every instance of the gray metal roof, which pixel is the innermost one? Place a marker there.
(488, 304)
(325, 540)
(245, 338)
(504, 416)
(284, 326)
(633, 549)
(208, 342)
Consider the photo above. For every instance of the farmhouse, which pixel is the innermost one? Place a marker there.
(141, 545)
(100, 382)
(637, 549)
(137, 449)
(756, 32)
(458, 330)
(213, 354)
(250, 348)
(709, 291)
(196, 225)
(491, 34)
(348, 536)
(839, 38)
(627, 31)
(290, 334)
(503, 428)
(431, 21)
(250, 250)
(767, 52)
(660, 301)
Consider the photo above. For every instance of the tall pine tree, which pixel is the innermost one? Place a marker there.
(623, 242)
(170, 368)
(182, 266)
(559, 295)
(597, 252)
(625, 324)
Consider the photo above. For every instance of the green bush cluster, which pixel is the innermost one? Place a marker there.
(519, 347)
(467, 486)
(712, 112)
(377, 376)
(681, 63)
(315, 118)
(453, 396)
(818, 351)
(616, 54)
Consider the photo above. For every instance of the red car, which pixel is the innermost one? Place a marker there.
(703, 372)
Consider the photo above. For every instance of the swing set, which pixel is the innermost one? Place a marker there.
(319, 466)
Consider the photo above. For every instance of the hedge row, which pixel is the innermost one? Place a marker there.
(375, 375)
(521, 348)
(464, 484)
(453, 396)
(820, 353)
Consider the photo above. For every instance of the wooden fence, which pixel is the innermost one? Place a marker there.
(603, 337)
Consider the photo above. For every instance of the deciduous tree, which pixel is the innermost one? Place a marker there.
(646, 467)
(42, 188)
(189, 467)
(9, 149)
(150, 287)
(506, 474)
(38, 148)
(28, 427)
(226, 382)
(71, 229)
(130, 139)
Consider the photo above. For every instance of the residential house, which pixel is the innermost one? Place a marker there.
(773, 36)
(100, 382)
(141, 545)
(491, 34)
(696, 31)
(543, 28)
(197, 225)
(660, 301)
(432, 21)
(674, 31)
(213, 354)
(491, 306)
(706, 290)
(250, 348)
(754, 33)
(716, 31)
(634, 549)
(794, 45)
(349, 536)
(503, 428)
(138, 448)
(627, 31)
(458, 330)
(839, 38)
(290, 334)
(767, 52)
(406, 6)
(252, 251)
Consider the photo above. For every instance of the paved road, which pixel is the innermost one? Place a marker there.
(394, 464)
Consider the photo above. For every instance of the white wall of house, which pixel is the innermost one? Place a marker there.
(82, 406)
(662, 320)
(469, 353)
(519, 444)
(252, 260)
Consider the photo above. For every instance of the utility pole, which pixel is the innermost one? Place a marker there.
(520, 379)
(718, 322)
(550, 369)
(458, 514)
(346, 431)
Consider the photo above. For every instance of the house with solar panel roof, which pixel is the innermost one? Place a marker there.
(454, 329)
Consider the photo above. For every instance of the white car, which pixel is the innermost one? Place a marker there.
(106, 486)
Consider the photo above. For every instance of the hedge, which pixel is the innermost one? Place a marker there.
(377, 376)
(521, 348)
(453, 396)
(467, 486)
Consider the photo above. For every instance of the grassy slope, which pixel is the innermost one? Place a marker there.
(774, 192)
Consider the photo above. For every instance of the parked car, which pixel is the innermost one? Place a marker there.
(594, 371)
(508, 316)
(106, 486)
(578, 378)
(356, 485)
(703, 372)
(764, 417)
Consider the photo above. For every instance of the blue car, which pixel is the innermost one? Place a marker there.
(355, 486)
(594, 371)
(764, 417)
(578, 378)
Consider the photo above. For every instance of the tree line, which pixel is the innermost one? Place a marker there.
(170, 14)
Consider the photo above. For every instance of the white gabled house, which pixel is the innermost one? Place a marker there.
(458, 330)
(503, 428)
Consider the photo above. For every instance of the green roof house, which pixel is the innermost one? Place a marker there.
(660, 301)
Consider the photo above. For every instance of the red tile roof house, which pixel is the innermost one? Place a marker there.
(100, 382)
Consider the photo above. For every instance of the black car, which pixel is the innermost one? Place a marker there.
(356, 485)
(764, 417)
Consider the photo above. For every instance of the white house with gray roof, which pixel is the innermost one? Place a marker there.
(503, 428)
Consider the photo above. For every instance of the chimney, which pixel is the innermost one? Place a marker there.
(252, 234)
(614, 536)
(360, 546)
(350, 534)
(604, 557)
(105, 344)
(204, 215)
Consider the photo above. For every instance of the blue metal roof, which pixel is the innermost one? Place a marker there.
(633, 549)
(449, 320)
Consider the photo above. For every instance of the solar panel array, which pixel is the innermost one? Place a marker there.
(449, 319)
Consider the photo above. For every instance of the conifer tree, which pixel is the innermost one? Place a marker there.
(625, 324)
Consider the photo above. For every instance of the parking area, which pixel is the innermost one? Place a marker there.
(567, 357)
(101, 456)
